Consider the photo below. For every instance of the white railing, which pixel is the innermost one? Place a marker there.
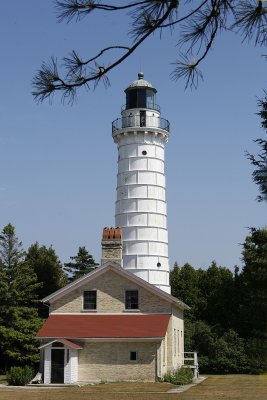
(191, 361)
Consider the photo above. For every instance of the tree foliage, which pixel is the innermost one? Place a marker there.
(184, 283)
(25, 278)
(48, 269)
(19, 319)
(227, 323)
(197, 24)
(260, 160)
(253, 307)
(82, 264)
(10, 248)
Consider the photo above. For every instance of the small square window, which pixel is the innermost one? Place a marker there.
(131, 300)
(133, 356)
(89, 300)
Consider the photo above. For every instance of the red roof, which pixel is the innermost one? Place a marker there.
(104, 326)
(71, 344)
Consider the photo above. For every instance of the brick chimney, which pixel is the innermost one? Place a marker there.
(112, 245)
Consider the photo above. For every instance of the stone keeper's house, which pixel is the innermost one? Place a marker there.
(111, 325)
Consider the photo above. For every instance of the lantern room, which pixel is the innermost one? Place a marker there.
(141, 94)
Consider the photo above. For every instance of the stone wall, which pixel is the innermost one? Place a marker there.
(110, 297)
(175, 339)
(111, 362)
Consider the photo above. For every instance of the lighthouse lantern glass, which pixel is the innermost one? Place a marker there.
(150, 98)
(140, 98)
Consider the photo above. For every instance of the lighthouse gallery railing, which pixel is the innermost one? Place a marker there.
(136, 121)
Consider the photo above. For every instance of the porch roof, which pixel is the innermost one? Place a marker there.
(104, 326)
(63, 341)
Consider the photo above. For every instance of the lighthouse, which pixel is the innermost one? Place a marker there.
(141, 134)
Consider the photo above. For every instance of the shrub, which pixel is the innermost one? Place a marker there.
(182, 376)
(20, 376)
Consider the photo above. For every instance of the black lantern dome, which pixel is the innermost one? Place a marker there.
(141, 94)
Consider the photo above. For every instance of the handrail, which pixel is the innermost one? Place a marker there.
(150, 106)
(187, 355)
(136, 121)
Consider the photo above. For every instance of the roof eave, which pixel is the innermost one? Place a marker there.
(99, 339)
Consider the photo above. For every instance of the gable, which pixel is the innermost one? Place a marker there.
(72, 292)
(110, 288)
(64, 342)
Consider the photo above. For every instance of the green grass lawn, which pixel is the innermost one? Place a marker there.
(216, 387)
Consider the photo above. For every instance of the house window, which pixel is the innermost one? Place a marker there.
(133, 356)
(89, 300)
(131, 300)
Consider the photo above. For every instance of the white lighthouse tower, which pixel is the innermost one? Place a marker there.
(141, 135)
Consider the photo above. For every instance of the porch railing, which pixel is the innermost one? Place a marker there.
(191, 361)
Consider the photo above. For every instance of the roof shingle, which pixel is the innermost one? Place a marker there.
(104, 326)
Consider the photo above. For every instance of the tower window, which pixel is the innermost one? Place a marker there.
(133, 355)
(89, 300)
(144, 152)
(158, 264)
(131, 300)
(142, 118)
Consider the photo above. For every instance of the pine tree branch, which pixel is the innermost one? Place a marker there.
(47, 80)
(69, 9)
(199, 29)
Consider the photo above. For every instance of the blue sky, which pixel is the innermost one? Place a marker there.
(58, 163)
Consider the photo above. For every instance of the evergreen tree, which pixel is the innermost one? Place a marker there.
(11, 252)
(19, 320)
(82, 264)
(260, 160)
(3, 309)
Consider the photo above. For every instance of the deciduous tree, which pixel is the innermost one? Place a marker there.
(253, 302)
(49, 271)
(184, 283)
(47, 267)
